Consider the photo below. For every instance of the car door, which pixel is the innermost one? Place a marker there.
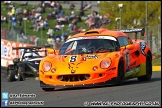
(128, 53)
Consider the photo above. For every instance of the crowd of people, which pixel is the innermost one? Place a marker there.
(34, 15)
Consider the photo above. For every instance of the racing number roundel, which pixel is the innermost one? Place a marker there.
(73, 58)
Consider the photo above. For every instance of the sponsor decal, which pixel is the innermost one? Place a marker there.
(143, 46)
(90, 57)
(7, 54)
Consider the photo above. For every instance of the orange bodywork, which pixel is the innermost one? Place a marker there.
(89, 71)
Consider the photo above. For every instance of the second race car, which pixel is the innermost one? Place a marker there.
(27, 65)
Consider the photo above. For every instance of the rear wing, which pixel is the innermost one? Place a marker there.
(136, 30)
(31, 47)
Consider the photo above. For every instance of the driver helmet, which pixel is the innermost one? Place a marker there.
(28, 56)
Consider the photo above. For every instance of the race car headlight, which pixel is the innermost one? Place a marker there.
(47, 66)
(105, 63)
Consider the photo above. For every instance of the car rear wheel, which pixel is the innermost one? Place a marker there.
(121, 75)
(11, 75)
(48, 89)
(20, 75)
(148, 75)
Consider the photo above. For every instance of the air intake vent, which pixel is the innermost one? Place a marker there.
(92, 32)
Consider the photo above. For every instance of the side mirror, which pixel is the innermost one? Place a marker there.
(56, 52)
(130, 47)
(122, 48)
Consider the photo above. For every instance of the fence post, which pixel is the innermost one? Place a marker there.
(159, 38)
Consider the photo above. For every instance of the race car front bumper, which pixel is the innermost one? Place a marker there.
(49, 79)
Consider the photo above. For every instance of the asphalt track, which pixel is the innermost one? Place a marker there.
(131, 91)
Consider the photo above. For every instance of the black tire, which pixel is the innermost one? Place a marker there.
(11, 75)
(20, 75)
(121, 74)
(148, 75)
(48, 89)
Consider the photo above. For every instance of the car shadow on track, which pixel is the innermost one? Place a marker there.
(135, 81)
(127, 82)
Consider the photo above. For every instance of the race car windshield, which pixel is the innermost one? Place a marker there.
(87, 46)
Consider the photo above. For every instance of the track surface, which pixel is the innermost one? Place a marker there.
(132, 91)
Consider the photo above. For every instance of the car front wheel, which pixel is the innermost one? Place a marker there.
(121, 75)
(20, 75)
(11, 75)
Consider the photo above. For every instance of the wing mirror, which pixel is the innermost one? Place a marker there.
(130, 47)
(56, 52)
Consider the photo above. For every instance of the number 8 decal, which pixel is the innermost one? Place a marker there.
(73, 58)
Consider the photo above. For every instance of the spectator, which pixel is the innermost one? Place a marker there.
(89, 6)
(36, 24)
(13, 20)
(72, 16)
(90, 22)
(47, 4)
(13, 11)
(39, 9)
(61, 20)
(25, 12)
(51, 31)
(78, 18)
(41, 25)
(43, 8)
(57, 27)
(86, 4)
(45, 23)
(49, 41)
(72, 6)
(81, 30)
(36, 40)
(81, 12)
(95, 13)
(59, 7)
(9, 13)
(32, 39)
(3, 19)
(75, 28)
(18, 11)
(52, 4)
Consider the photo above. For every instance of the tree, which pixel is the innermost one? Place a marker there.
(133, 13)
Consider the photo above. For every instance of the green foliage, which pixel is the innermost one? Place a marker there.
(132, 10)
(156, 62)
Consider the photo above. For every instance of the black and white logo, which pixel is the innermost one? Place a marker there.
(143, 46)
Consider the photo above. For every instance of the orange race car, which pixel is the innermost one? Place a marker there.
(97, 56)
